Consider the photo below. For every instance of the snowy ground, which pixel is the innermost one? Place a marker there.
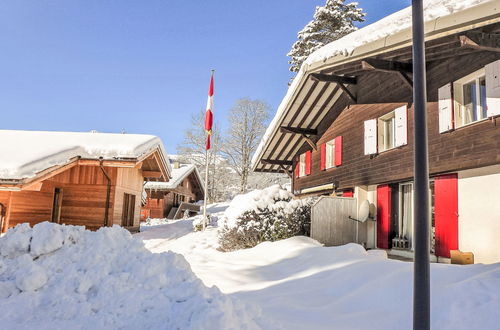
(302, 285)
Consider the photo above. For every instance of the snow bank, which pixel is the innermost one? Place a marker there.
(252, 201)
(24, 153)
(65, 277)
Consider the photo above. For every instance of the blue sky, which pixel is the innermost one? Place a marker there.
(144, 66)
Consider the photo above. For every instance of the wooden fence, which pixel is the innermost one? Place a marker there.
(331, 225)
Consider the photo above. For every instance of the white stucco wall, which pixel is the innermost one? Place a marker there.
(368, 193)
(479, 213)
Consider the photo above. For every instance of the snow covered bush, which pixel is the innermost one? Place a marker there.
(270, 214)
(65, 277)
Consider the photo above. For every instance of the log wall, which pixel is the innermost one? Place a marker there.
(84, 190)
(472, 146)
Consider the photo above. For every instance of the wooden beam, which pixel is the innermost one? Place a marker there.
(375, 64)
(406, 79)
(289, 173)
(107, 163)
(331, 78)
(466, 42)
(310, 142)
(276, 162)
(348, 92)
(298, 130)
(401, 68)
(151, 174)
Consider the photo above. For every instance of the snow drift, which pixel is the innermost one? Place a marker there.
(56, 276)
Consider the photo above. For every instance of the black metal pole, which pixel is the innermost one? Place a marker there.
(421, 277)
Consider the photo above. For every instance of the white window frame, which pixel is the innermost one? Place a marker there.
(302, 165)
(386, 127)
(330, 154)
(464, 117)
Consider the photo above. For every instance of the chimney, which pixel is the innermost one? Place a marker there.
(176, 164)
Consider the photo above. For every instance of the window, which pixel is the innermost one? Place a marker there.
(302, 165)
(386, 132)
(470, 98)
(330, 154)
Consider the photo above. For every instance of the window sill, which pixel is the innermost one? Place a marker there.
(472, 123)
(388, 150)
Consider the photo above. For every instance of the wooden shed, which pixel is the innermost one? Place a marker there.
(165, 198)
(89, 179)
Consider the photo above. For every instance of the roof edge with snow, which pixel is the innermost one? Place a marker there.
(440, 20)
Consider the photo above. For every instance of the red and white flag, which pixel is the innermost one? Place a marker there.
(208, 113)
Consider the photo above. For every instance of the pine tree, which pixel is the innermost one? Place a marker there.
(331, 22)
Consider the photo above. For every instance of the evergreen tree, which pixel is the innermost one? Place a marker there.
(331, 22)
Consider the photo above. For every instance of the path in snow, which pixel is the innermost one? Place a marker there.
(306, 286)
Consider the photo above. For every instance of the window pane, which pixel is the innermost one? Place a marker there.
(470, 103)
(482, 91)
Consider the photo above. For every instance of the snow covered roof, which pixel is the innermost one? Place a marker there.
(178, 175)
(442, 17)
(26, 153)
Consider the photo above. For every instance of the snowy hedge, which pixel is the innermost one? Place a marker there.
(270, 214)
(65, 277)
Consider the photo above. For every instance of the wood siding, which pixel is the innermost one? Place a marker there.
(472, 146)
(159, 203)
(467, 147)
(84, 190)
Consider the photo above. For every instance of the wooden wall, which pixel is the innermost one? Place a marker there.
(466, 147)
(84, 197)
(130, 181)
(160, 203)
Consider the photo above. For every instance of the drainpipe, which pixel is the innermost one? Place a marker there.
(2, 216)
(108, 192)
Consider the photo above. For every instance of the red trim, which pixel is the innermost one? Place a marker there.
(338, 151)
(323, 157)
(308, 162)
(383, 216)
(297, 167)
(348, 193)
(446, 214)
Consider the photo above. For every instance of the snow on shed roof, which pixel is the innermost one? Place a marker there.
(178, 174)
(391, 31)
(25, 153)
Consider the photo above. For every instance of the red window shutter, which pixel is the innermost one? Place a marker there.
(446, 214)
(297, 167)
(338, 150)
(308, 162)
(323, 156)
(383, 216)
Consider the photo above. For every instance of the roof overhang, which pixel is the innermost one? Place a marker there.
(309, 100)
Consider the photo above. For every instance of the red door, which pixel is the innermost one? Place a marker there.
(446, 214)
(383, 216)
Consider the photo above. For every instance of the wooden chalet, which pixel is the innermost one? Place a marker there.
(345, 128)
(173, 198)
(89, 179)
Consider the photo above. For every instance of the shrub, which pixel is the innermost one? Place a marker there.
(263, 215)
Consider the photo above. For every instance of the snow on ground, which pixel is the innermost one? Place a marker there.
(304, 285)
(64, 277)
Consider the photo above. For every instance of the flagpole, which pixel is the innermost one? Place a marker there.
(208, 128)
(206, 190)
